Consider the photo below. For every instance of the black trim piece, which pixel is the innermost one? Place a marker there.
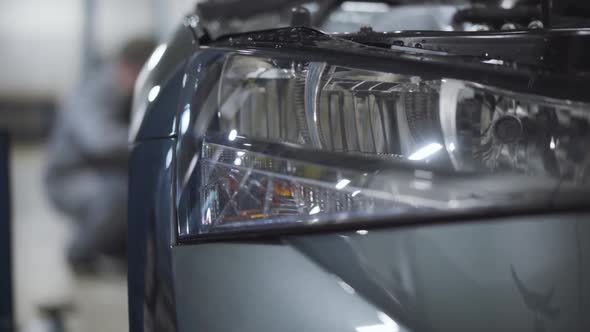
(560, 72)
(481, 215)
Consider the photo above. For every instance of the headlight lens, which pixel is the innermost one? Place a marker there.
(272, 142)
(327, 107)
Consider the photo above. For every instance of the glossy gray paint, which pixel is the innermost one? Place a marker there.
(460, 277)
(452, 277)
(258, 287)
(158, 119)
(151, 214)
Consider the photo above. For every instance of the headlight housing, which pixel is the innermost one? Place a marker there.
(274, 141)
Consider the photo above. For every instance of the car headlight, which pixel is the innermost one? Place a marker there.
(271, 142)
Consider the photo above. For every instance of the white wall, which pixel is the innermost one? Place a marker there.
(40, 40)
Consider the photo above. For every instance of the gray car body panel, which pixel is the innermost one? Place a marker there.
(521, 274)
(258, 287)
(151, 214)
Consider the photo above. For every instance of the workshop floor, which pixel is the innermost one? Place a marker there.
(41, 276)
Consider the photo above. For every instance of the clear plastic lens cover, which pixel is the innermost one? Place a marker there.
(343, 143)
(241, 189)
(332, 108)
(246, 188)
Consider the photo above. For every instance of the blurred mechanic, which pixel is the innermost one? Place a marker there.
(87, 158)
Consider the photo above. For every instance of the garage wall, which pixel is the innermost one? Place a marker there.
(41, 41)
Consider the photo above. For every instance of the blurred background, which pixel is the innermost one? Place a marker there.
(46, 48)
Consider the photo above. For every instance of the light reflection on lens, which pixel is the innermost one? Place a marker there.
(314, 210)
(342, 183)
(232, 135)
(425, 152)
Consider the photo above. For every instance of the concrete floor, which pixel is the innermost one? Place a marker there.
(40, 274)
